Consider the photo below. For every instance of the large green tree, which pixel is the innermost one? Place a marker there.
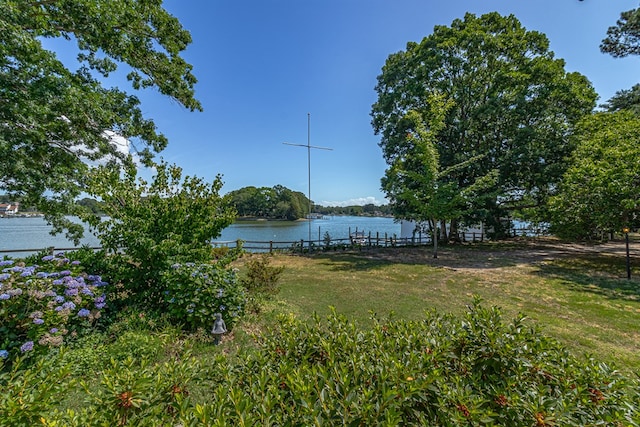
(600, 192)
(626, 99)
(623, 39)
(413, 182)
(513, 108)
(54, 119)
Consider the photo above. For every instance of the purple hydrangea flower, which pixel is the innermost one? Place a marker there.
(59, 299)
(69, 305)
(71, 292)
(4, 296)
(65, 273)
(4, 276)
(53, 330)
(28, 346)
(47, 258)
(75, 262)
(83, 313)
(71, 284)
(100, 305)
(6, 262)
(4, 354)
(57, 282)
(38, 321)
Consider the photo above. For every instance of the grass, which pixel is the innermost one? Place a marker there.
(577, 294)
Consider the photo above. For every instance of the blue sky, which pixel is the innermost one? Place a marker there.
(262, 65)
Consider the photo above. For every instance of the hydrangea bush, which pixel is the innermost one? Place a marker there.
(41, 304)
(194, 293)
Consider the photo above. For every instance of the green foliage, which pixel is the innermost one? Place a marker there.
(622, 39)
(365, 210)
(42, 304)
(194, 293)
(261, 277)
(625, 100)
(600, 192)
(512, 107)
(151, 226)
(91, 205)
(137, 393)
(55, 120)
(86, 354)
(28, 393)
(443, 370)
(326, 240)
(277, 202)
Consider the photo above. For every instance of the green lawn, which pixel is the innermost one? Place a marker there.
(576, 294)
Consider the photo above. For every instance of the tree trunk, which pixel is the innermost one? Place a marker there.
(435, 239)
(453, 231)
(443, 230)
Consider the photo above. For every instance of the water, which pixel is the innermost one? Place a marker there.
(33, 233)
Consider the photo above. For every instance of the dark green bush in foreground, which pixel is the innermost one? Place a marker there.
(473, 370)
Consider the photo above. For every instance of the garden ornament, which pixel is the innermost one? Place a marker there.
(219, 328)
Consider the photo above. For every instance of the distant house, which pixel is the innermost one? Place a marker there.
(9, 208)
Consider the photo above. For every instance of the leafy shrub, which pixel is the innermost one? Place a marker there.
(30, 392)
(43, 303)
(85, 354)
(151, 225)
(262, 277)
(135, 345)
(134, 392)
(194, 293)
(473, 370)
(442, 371)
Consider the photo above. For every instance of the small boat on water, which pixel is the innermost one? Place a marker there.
(358, 238)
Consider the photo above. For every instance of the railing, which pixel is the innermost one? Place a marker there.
(357, 241)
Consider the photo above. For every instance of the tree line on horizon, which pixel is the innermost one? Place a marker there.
(279, 202)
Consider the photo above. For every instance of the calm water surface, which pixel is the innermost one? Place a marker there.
(33, 233)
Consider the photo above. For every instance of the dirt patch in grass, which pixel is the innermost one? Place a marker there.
(496, 255)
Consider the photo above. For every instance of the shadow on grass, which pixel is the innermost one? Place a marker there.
(600, 274)
(462, 256)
